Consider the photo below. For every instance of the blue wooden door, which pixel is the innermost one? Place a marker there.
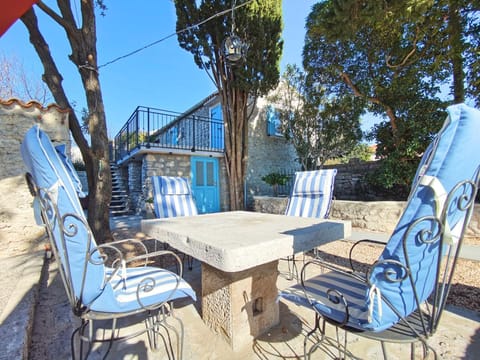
(205, 184)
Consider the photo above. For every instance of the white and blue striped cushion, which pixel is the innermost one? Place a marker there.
(172, 197)
(141, 286)
(312, 193)
(314, 292)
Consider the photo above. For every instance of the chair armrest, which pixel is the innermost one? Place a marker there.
(331, 267)
(150, 256)
(333, 294)
(120, 263)
(354, 246)
(114, 252)
(140, 246)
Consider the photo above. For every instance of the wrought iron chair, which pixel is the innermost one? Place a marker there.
(312, 196)
(402, 295)
(172, 197)
(99, 280)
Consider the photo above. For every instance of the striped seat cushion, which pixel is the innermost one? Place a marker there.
(315, 294)
(132, 288)
(172, 197)
(312, 193)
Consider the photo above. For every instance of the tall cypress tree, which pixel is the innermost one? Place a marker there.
(258, 23)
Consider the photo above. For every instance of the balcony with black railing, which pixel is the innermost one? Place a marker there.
(149, 128)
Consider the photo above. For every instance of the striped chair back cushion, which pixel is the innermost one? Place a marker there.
(312, 193)
(172, 197)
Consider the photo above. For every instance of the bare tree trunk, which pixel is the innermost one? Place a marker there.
(83, 43)
(234, 105)
(456, 51)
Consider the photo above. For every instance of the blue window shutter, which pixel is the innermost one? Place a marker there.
(273, 122)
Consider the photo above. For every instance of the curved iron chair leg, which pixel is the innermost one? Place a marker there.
(110, 342)
(153, 324)
(72, 341)
(81, 336)
(384, 350)
(190, 262)
(425, 347)
(312, 332)
(339, 347)
(180, 335)
(292, 269)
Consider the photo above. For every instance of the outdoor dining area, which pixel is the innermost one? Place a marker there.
(248, 285)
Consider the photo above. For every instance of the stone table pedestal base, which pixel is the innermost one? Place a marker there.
(240, 305)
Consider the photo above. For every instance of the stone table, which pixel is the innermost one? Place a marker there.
(239, 252)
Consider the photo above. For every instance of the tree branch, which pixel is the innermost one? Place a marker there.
(57, 18)
(356, 91)
(408, 56)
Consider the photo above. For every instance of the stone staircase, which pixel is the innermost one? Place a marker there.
(119, 205)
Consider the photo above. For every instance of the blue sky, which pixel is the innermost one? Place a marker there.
(163, 76)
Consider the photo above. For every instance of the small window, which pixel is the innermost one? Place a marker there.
(273, 122)
(172, 136)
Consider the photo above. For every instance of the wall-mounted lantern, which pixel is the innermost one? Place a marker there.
(233, 48)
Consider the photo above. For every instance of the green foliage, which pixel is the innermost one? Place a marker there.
(258, 24)
(275, 178)
(136, 138)
(396, 56)
(360, 151)
(320, 127)
(400, 157)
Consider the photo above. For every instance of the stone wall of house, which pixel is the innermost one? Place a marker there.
(224, 188)
(266, 154)
(165, 165)
(139, 178)
(134, 184)
(15, 119)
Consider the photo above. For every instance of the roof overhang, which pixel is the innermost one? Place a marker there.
(11, 11)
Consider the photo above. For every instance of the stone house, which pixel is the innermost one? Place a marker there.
(191, 144)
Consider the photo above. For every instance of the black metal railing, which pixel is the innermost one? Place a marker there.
(155, 128)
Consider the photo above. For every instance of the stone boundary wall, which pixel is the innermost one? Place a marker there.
(19, 233)
(351, 183)
(376, 216)
(15, 119)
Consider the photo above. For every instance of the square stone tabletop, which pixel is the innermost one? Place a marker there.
(240, 240)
